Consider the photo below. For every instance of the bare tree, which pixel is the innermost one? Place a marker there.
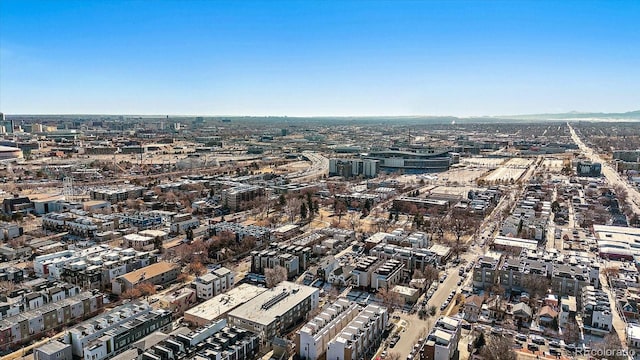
(389, 298)
(460, 223)
(498, 348)
(6, 287)
(354, 220)
(536, 285)
(131, 294)
(571, 332)
(196, 268)
(340, 209)
(275, 275)
(430, 274)
(146, 289)
(612, 348)
(393, 356)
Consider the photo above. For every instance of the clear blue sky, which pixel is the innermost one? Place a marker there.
(304, 58)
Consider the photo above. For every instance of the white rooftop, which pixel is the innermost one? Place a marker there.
(264, 309)
(221, 304)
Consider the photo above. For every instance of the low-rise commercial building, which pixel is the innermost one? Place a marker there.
(220, 305)
(277, 310)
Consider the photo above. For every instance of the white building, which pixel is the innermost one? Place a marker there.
(362, 334)
(214, 283)
(633, 335)
(387, 275)
(99, 337)
(442, 342)
(182, 223)
(364, 270)
(313, 339)
(220, 305)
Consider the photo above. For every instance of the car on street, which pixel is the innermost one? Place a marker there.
(538, 340)
(533, 347)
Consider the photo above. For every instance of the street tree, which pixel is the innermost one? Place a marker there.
(131, 294)
(611, 348)
(498, 348)
(274, 276)
(571, 332)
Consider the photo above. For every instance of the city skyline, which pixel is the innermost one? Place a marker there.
(370, 58)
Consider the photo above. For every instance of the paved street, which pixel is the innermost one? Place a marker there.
(611, 174)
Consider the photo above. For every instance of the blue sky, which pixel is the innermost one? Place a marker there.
(306, 58)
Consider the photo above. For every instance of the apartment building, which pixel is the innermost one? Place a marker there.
(363, 271)
(277, 310)
(116, 194)
(33, 324)
(94, 267)
(442, 342)
(214, 283)
(485, 271)
(183, 222)
(596, 311)
(9, 231)
(53, 350)
(142, 220)
(112, 332)
(349, 168)
(412, 258)
(569, 279)
(313, 339)
(361, 336)
(24, 299)
(79, 223)
(236, 198)
(240, 231)
(516, 273)
(216, 341)
(293, 258)
(160, 273)
(387, 275)
(138, 242)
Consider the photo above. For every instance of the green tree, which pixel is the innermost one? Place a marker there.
(303, 211)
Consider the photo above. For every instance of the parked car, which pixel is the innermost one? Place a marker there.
(521, 337)
(538, 340)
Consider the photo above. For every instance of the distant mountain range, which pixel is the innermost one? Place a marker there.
(417, 119)
(575, 115)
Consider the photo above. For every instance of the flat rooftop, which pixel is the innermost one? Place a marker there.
(266, 307)
(223, 303)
